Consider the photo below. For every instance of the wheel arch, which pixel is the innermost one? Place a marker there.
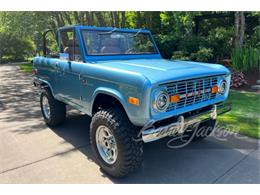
(43, 84)
(108, 97)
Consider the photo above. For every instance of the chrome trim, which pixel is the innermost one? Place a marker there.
(106, 144)
(153, 134)
(156, 94)
(191, 91)
(46, 107)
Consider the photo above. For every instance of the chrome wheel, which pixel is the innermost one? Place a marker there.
(106, 144)
(46, 107)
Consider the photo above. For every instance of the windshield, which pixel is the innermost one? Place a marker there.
(117, 43)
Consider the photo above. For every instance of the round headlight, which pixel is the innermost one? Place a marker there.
(222, 87)
(161, 101)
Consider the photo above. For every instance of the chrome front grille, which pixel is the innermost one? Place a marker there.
(191, 91)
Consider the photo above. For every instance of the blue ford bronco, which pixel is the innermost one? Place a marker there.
(118, 77)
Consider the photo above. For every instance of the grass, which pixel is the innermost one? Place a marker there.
(26, 67)
(244, 116)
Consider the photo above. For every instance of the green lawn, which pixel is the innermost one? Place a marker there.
(244, 116)
(26, 67)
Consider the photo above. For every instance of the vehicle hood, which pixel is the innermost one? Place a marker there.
(161, 70)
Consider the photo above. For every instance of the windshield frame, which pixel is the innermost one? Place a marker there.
(156, 54)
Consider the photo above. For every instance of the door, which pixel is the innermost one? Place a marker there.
(68, 70)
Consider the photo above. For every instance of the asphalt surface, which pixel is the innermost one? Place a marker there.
(30, 152)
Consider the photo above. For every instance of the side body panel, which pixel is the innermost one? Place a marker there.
(78, 84)
(68, 81)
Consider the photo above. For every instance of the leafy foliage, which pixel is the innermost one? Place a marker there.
(245, 59)
(180, 55)
(174, 32)
(254, 40)
(220, 40)
(203, 55)
(14, 48)
(167, 44)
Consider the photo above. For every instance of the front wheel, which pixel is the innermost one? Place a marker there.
(113, 141)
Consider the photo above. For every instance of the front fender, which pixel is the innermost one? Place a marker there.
(112, 92)
(136, 115)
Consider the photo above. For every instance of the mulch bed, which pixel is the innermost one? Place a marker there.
(251, 78)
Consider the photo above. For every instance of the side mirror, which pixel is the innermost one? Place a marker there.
(64, 56)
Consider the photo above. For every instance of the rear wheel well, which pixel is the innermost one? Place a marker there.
(103, 101)
(42, 85)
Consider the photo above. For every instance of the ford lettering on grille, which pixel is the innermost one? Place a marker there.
(191, 91)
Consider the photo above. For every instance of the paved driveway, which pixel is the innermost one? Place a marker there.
(30, 152)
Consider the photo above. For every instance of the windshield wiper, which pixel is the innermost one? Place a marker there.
(109, 32)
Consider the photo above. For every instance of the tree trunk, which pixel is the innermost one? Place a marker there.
(91, 21)
(100, 18)
(112, 19)
(59, 22)
(77, 18)
(239, 29)
(139, 20)
(88, 18)
(242, 29)
(123, 19)
(116, 19)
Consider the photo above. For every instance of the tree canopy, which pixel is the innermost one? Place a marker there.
(201, 36)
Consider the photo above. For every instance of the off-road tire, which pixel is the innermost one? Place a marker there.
(203, 131)
(130, 151)
(57, 109)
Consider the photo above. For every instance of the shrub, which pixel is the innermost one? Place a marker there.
(192, 44)
(14, 48)
(245, 59)
(237, 78)
(220, 40)
(202, 55)
(166, 44)
(254, 39)
(180, 55)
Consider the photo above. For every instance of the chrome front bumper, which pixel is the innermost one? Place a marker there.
(152, 134)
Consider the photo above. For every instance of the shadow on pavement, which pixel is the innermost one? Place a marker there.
(199, 162)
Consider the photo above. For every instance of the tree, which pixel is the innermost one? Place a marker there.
(173, 31)
(239, 24)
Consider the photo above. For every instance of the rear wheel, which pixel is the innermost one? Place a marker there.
(53, 111)
(112, 140)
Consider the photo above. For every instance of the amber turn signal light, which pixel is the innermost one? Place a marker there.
(134, 101)
(175, 98)
(214, 89)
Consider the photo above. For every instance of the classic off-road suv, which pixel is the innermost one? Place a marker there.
(118, 77)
